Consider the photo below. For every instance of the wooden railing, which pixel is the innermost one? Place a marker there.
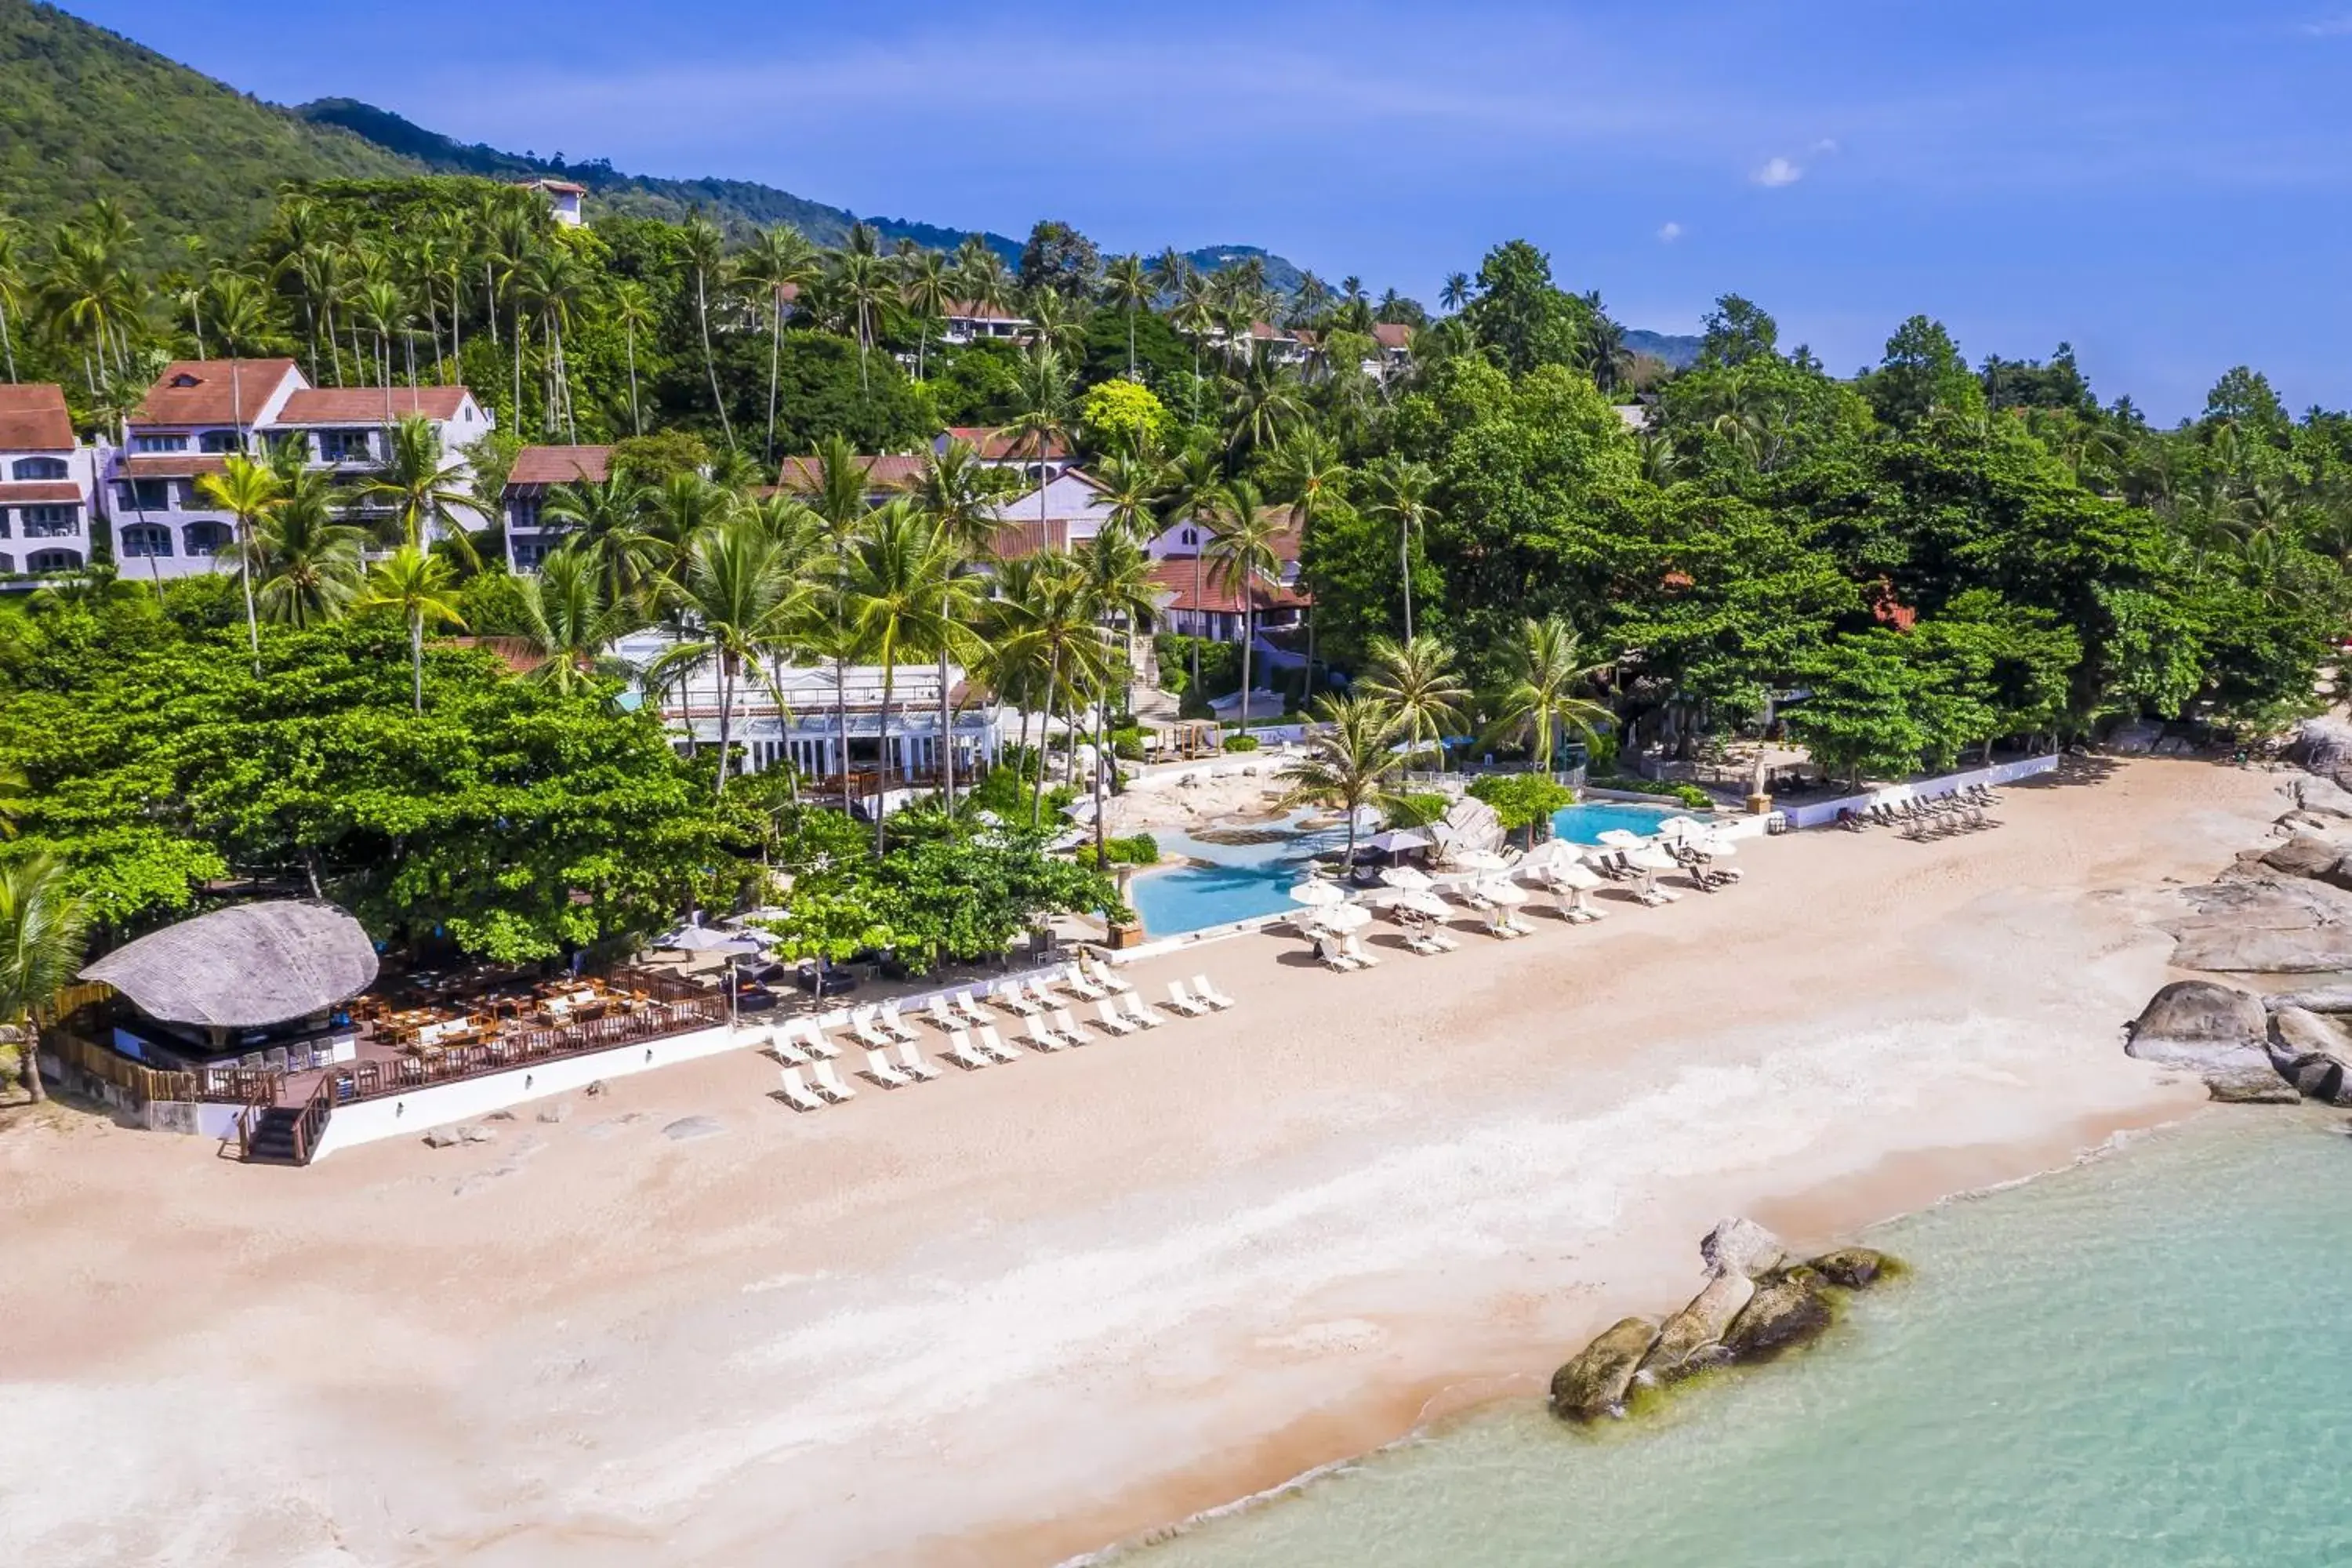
(71, 1044)
(313, 1119)
(676, 1008)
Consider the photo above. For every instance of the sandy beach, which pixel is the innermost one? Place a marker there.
(1019, 1315)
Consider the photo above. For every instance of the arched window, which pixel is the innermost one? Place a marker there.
(53, 560)
(37, 469)
(145, 539)
(207, 538)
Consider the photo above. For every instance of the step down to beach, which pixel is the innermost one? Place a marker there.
(272, 1143)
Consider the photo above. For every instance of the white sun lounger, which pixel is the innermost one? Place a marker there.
(991, 1044)
(781, 1046)
(967, 1005)
(1042, 993)
(894, 1025)
(813, 1040)
(1184, 1001)
(960, 1052)
(828, 1083)
(869, 1030)
(1040, 1036)
(1070, 1030)
(1142, 1012)
(944, 1016)
(1011, 995)
(911, 1060)
(1075, 981)
(1117, 1022)
(1209, 994)
(797, 1094)
(1354, 948)
(1109, 978)
(879, 1069)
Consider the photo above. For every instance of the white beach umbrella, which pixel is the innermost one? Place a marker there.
(1683, 827)
(1398, 839)
(1720, 845)
(1480, 860)
(1344, 917)
(1544, 857)
(1506, 893)
(1416, 901)
(1410, 877)
(702, 939)
(1619, 838)
(1651, 859)
(1318, 894)
(1577, 875)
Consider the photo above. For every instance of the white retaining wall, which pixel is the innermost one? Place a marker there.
(1824, 814)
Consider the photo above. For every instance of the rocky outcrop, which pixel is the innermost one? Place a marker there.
(2324, 746)
(1594, 1383)
(2318, 999)
(1692, 1340)
(2311, 855)
(2313, 1054)
(1853, 1268)
(1788, 1309)
(2246, 1086)
(1741, 1247)
(2266, 923)
(2202, 1024)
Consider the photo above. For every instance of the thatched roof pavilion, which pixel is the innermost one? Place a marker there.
(248, 967)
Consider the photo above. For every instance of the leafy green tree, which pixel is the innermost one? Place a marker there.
(1861, 719)
(1059, 257)
(1923, 371)
(1123, 416)
(421, 589)
(1520, 315)
(1522, 802)
(43, 930)
(1735, 332)
(1543, 703)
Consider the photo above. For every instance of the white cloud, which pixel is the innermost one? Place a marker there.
(1778, 172)
(2328, 27)
(1824, 147)
(1669, 233)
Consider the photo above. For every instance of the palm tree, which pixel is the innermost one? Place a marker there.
(12, 283)
(1240, 552)
(903, 594)
(780, 264)
(1401, 490)
(1121, 588)
(1348, 761)
(1541, 705)
(44, 927)
(1262, 403)
(633, 309)
(740, 604)
(1417, 680)
(862, 281)
(607, 520)
(706, 253)
(15, 798)
(1309, 475)
(567, 619)
(1043, 425)
(553, 282)
(310, 565)
(1456, 292)
(248, 491)
(414, 492)
(1194, 485)
(1048, 643)
(1128, 284)
(926, 285)
(421, 588)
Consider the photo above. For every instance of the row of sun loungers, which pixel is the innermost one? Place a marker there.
(1938, 817)
(894, 1053)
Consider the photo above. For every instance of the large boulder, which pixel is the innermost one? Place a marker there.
(2324, 746)
(2313, 1054)
(2318, 999)
(1692, 1340)
(1786, 1309)
(1742, 1246)
(1594, 1384)
(2266, 924)
(2311, 855)
(1853, 1268)
(2247, 1086)
(2199, 1024)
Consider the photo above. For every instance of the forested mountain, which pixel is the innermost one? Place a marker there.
(85, 112)
(1675, 353)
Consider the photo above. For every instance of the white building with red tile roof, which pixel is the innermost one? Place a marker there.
(966, 322)
(536, 471)
(1198, 606)
(566, 200)
(49, 483)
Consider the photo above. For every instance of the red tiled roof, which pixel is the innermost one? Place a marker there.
(556, 186)
(1174, 575)
(560, 466)
(196, 392)
(1392, 334)
(174, 466)
(33, 418)
(370, 405)
(34, 492)
(997, 444)
(1014, 540)
(890, 471)
(966, 310)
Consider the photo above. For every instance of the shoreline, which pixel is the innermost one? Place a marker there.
(1163, 1273)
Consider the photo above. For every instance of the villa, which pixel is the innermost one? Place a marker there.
(564, 200)
(887, 475)
(968, 322)
(534, 472)
(199, 412)
(49, 483)
(1072, 509)
(1196, 604)
(998, 446)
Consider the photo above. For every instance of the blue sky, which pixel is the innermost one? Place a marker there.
(2162, 182)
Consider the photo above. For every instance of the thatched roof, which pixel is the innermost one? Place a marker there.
(244, 967)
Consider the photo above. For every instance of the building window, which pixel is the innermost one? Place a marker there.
(221, 441)
(146, 495)
(50, 521)
(346, 446)
(7, 565)
(53, 560)
(522, 512)
(206, 538)
(38, 469)
(149, 441)
(3, 522)
(145, 539)
(530, 553)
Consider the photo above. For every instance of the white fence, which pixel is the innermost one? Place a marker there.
(1825, 812)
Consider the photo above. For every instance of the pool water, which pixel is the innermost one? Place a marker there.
(1245, 882)
(1585, 824)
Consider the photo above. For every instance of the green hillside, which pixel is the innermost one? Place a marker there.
(85, 112)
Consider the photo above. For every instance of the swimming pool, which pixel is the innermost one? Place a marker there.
(1585, 824)
(1244, 881)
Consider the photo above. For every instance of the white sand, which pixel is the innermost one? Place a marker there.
(1012, 1316)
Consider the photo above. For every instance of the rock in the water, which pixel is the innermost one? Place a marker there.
(442, 1138)
(555, 1112)
(1852, 1267)
(1594, 1384)
(2266, 924)
(2244, 1086)
(2312, 1054)
(687, 1127)
(1742, 1246)
(1692, 1340)
(1786, 1309)
(2196, 1023)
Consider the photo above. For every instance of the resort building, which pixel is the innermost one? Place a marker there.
(49, 483)
(535, 471)
(201, 411)
(1197, 602)
(998, 446)
(966, 322)
(1072, 508)
(566, 200)
(887, 475)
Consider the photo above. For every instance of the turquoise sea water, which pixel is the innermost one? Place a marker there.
(1245, 880)
(2142, 1360)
